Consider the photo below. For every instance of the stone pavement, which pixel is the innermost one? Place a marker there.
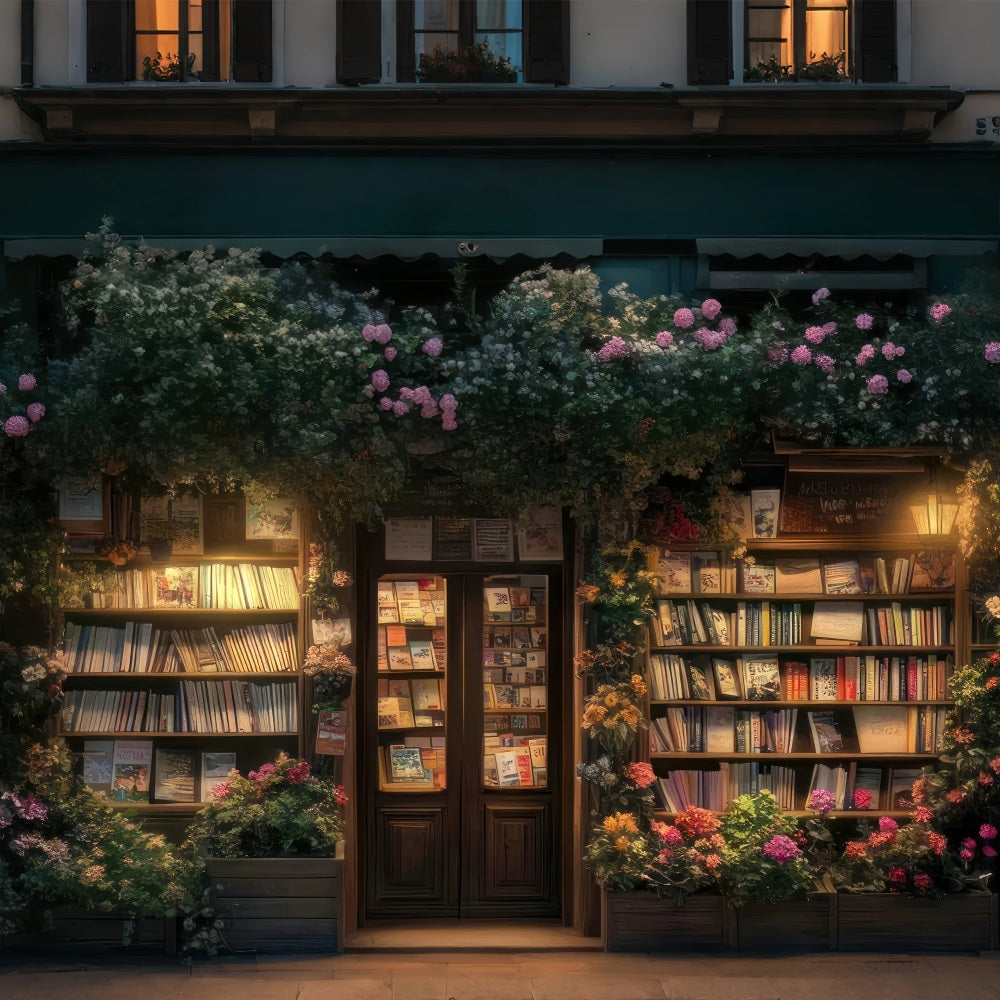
(482, 975)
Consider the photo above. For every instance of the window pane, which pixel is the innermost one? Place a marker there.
(769, 30)
(497, 14)
(826, 31)
(435, 15)
(147, 46)
(225, 40)
(503, 44)
(194, 15)
(196, 48)
(157, 15)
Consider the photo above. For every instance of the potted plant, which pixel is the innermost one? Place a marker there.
(269, 843)
(475, 64)
(332, 674)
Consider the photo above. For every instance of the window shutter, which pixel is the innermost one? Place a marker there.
(710, 41)
(406, 61)
(877, 38)
(546, 56)
(107, 36)
(359, 41)
(252, 59)
(210, 64)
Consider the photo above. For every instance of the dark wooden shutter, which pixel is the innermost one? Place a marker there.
(406, 61)
(210, 62)
(710, 41)
(359, 41)
(108, 40)
(252, 59)
(876, 34)
(546, 55)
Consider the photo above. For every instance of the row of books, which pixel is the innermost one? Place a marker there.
(513, 674)
(722, 730)
(121, 770)
(501, 696)
(139, 647)
(513, 637)
(228, 706)
(397, 712)
(411, 602)
(532, 659)
(522, 766)
(231, 586)
(829, 678)
(506, 724)
(427, 694)
(890, 788)
(401, 647)
(778, 623)
(716, 572)
(413, 764)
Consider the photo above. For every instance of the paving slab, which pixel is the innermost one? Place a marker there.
(596, 987)
(345, 989)
(711, 987)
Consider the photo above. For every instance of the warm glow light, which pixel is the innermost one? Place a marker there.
(935, 517)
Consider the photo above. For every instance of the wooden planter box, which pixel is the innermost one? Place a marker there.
(78, 929)
(802, 924)
(642, 921)
(887, 922)
(279, 904)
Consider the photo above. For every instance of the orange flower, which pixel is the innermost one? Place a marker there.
(622, 843)
(638, 685)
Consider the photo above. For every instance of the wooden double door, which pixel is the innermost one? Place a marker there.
(463, 693)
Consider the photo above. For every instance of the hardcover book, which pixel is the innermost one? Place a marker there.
(764, 506)
(762, 678)
(842, 576)
(673, 569)
(726, 682)
(176, 587)
(826, 733)
(131, 766)
(406, 764)
(823, 679)
(215, 768)
(98, 761)
(882, 728)
(700, 681)
(798, 576)
(173, 779)
(758, 579)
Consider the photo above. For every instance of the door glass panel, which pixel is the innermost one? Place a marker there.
(515, 681)
(411, 684)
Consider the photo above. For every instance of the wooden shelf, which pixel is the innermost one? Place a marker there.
(154, 613)
(808, 705)
(145, 735)
(820, 651)
(700, 755)
(786, 598)
(219, 675)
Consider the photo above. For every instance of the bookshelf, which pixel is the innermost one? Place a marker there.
(815, 662)
(178, 671)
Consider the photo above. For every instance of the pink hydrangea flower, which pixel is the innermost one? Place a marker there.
(298, 774)
(35, 412)
(992, 352)
(863, 321)
(389, 354)
(400, 407)
(672, 836)
(448, 425)
(448, 402)
(428, 410)
(16, 427)
(683, 318)
(781, 849)
(709, 339)
(3, 389)
(26, 382)
(939, 311)
(966, 855)
(614, 348)
(368, 332)
(815, 334)
(897, 874)
(433, 347)
(641, 773)
(778, 354)
(385, 404)
(821, 800)
(825, 363)
(887, 824)
(995, 764)
(864, 355)
(829, 328)
(888, 350)
(985, 779)
(711, 308)
(988, 831)
(820, 295)
(904, 375)
(664, 338)
(380, 379)
(862, 798)
(922, 881)
(727, 325)
(221, 790)
(801, 355)
(382, 333)
(878, 385)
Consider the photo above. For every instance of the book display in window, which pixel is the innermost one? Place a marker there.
(515, 682)
(819, 662)
(200, 658)
(411, 684)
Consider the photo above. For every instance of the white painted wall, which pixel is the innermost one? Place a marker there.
(956, 42)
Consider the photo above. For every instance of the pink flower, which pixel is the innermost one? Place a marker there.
(711, 308)
(389, 354)
(863, 321)
(829, 328)
(801, 355)
(368, 332)
(382, 333)
(448, 403)
(433, 347)
(865, 354)
(709, 339)
(664, 338)
(897, 874)
(988, 831)
(340, 796)
(939, 311)
(26, 382)
(727, 325)
(985, 779)
(298, 774)
(887, 824)
(385, 404)
(820, 295)
(614, 348)
(969, 843)
(16, 427)
(641, 773)
(778, 354)
(989, 851)
(995, 764)
(878, 385)
(380, 379)
(3, 389)
(221, 790)
(955, 795)
(888, 350)
(862, 798)
(35, 412)
(825, 363)
(992, 352)
(781, 849)
(400, 407)
(922, 814)
(904, 375)
(683, 318)
(815, 334)
(672, 836)
(29, 807)
(821, 800)
(922, 881)
(966, 855)
(448, 425)
(712, 861)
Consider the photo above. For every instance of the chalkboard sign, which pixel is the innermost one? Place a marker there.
(849, 502)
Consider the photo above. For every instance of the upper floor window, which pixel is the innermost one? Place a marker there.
(477, 41)
(797, 40)
(775, 40)
(179, 40)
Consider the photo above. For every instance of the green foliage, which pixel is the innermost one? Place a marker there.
(165, 68)
(768, 72)
(476, 64)
(824, 69)
(30, 695)
(279, 809)
(618, 853)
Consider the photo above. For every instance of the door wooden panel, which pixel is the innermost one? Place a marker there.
(517, 852)
(411, 848)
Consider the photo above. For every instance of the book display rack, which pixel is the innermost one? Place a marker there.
(178, 672)
(814, 662)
